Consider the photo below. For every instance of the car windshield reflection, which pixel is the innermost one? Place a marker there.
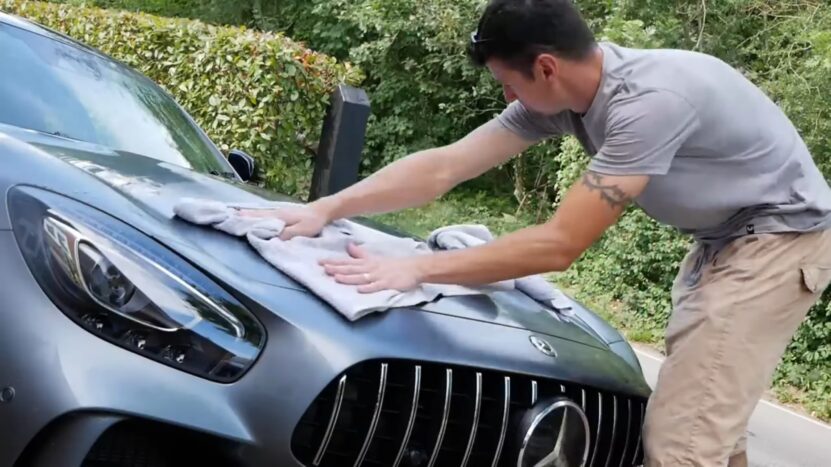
(62, 90)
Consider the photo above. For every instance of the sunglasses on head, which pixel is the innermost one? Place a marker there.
(475, 47)
(475, 40)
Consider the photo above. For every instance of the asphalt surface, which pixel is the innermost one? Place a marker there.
(777, 436)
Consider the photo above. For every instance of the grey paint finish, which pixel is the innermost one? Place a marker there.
(64, 368)
(69, 445)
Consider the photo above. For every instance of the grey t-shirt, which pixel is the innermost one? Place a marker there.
(724, 160)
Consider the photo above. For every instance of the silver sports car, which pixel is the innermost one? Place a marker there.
(131, 338)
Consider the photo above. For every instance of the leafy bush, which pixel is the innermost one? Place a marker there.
(249, 90)
(424, 92)
(172, 8)
(256, 14)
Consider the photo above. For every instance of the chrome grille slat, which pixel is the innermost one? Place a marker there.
(628, 425)
(333, 419)
(447, 397)
(614, 431)
(476, 410)
(599, 422)
(533, 392)
(382, 388)
(589, 430)
(401, 416)
(562, 432)
(504, 429)
(638, 443)
(413, 413)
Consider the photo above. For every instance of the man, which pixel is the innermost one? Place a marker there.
(695, 145)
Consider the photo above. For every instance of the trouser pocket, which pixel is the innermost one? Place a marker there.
(816, 277)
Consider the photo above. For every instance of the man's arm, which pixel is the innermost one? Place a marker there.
(592, 205)
(409, 182)
(426, 175)
(642, 137)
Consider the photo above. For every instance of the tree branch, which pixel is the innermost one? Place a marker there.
(703, 22)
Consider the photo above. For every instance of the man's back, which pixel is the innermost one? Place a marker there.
(724, 159)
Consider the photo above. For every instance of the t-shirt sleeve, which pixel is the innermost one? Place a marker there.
(644, 133)
(529, 125)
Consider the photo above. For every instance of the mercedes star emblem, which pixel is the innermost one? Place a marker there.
(543, 346)
(555, 433)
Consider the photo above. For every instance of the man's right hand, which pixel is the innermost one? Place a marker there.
(303, 221)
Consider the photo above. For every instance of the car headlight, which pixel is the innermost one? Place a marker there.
(126, 288)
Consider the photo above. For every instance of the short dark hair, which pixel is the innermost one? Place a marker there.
(518, 31)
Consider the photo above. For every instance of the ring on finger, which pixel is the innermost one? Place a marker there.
(366, 277)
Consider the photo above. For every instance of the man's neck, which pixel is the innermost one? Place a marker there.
(583, 81)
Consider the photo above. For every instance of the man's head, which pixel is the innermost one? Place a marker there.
(528, 45)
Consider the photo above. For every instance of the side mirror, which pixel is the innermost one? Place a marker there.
(243, 164)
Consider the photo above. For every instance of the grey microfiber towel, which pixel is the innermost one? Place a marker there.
(454, 237)
(299, 256)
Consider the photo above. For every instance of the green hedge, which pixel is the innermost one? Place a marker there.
(255, 91)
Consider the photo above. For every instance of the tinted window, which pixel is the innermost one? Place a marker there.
(52, 87)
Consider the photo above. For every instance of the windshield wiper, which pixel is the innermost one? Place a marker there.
(60, 135)
(225, 175)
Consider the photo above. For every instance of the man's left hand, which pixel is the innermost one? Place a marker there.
(374, 273)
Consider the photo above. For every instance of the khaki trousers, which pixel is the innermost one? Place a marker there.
(735, 310)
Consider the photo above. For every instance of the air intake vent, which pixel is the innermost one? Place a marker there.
(382, 414)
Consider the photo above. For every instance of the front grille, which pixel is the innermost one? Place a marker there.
(127, 445)
(382, 414)
(135, 443)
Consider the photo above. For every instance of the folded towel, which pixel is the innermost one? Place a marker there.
(225, 217)
(454, 237)
(298, 257)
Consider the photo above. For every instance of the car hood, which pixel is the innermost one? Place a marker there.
(150, 188)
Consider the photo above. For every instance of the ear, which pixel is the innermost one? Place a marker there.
(546, 67)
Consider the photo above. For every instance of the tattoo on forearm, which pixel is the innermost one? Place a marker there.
(612, 194)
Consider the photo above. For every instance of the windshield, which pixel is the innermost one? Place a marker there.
(53, 87)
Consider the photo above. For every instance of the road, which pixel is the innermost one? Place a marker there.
(777, 436)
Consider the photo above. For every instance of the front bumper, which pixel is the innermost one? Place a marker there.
(70, 386)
